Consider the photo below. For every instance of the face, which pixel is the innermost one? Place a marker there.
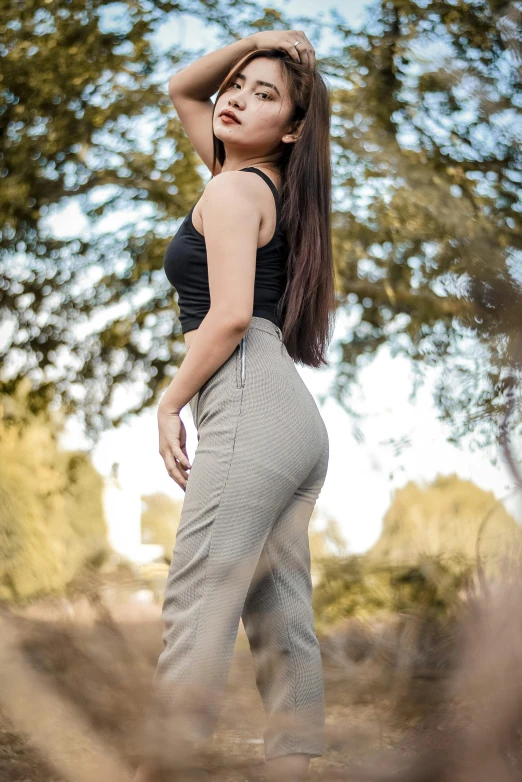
(263, 111)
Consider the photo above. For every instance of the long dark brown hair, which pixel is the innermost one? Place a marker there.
(307, 306)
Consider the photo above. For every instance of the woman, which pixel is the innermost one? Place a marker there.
(252, 265)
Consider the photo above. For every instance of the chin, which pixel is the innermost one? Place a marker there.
(223, 136)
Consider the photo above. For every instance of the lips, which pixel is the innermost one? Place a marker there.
(226, 113)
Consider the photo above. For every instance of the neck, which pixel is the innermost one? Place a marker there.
(234, 162)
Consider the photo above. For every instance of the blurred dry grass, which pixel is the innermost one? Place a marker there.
(413, 697)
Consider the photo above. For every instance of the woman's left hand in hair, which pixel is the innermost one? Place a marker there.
(285, 40)
(173, 445)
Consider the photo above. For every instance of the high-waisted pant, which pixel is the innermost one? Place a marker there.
(242, 548)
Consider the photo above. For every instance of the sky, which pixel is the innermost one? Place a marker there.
(362, 475)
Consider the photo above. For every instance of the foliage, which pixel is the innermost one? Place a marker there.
(326, 540)
(428, 240)
(356, 587)
(88, 125)
(447, 518)
(426, 228)
(160, 520)
(433, 538)
(51, 513)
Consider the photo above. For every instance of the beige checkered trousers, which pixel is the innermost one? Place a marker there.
(242, 549)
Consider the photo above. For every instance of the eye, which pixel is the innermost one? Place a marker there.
(266, 94)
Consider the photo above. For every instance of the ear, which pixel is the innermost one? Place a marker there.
(292, 136)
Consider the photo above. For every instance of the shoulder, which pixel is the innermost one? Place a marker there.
(231, 210)
(233, 188)
(232, 199)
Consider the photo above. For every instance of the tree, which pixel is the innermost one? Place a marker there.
(434, 537)
(87, 121)
(428, 239)
(426, 227)
(160, 520)
(51, 511)
(450, 518)
(326, 540)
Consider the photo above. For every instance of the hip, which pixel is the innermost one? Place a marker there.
(260, 383)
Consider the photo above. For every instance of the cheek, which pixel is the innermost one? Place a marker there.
(267, 121)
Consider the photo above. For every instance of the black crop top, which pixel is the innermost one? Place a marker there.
(185, 264)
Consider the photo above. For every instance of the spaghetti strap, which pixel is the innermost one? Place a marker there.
(273, 188)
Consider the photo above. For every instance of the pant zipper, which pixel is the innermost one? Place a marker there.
(242, 354)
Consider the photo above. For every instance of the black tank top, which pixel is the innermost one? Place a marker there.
(185, 264)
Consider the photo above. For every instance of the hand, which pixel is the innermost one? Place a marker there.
(173, 445)
(285, 40)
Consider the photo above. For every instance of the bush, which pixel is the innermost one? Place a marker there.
(51, 512)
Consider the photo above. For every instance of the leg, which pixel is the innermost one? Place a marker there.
(236, 490)
(251, 459)
(278, 620)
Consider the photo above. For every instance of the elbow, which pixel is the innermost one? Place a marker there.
(238, 324)
(232, 322)
(173, 87)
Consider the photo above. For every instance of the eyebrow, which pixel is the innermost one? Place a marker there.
(258, 81)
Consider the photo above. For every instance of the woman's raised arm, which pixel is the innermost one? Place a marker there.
(191, 88)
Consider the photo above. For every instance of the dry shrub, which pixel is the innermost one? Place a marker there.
(463, 681)
(74, 697)
(427, 699)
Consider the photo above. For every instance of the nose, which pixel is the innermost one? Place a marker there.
(233, 101)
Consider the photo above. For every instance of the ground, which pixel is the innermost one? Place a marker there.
(103, 668)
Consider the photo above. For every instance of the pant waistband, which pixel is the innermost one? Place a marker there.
(263, 324)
